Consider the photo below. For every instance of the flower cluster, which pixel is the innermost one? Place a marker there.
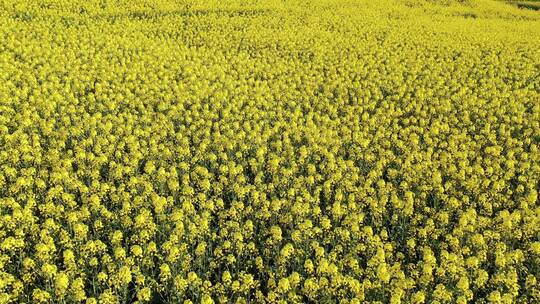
(269, 152)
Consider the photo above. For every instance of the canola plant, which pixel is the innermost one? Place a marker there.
(256, 151)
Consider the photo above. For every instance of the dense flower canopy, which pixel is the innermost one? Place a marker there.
(269, 151)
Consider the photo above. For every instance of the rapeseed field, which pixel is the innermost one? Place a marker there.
(250, 151)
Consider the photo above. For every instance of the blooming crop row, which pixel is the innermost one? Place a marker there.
(269, 152)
